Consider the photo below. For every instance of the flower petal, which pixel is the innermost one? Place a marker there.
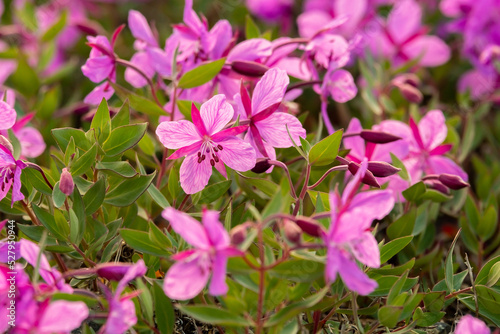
(186, 279)
(187, 227)
(218, 284)
(62, 317)
(432, 50)
(355, 144)
(7, 116)
(194, 176)
(366, 250)
(332, 264)
(269, 90)
(17, 195)
(32, 143)
(99, 68)
(404, 20)
(354, 278)
(432, 129)
(140, 28)
(251, 49)
(216, 113)
(95, 97)
(340, 84)
(237, 154)
(142, 61)
(439, 165)
(214, 229)
(121, 316)
(468, 325)
(177, 134)
(274, 129)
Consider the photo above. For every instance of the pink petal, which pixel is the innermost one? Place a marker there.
(296, 67)
(251, 49)
(432, 50)
(216, 113)
(95, 97)
(332, 264)
(30, 252)
(220, 36)
(478, 83)
(7, 67)
(216, 232)
(340, 84)
(194, 176)
(187, 227)
(366, 250)
(441, 149)
(121, 317)
(63, 317)
(311, 22)
(269, 90)
(186, 279)
(274, 129)
(470, 325)
(271, 152)
(17, 195)
(32, 143)
(404, 20)
(161, 61)
(140, 28)
(356, 144)
(177, 134)
(191, 19)
(354, 278)
(439, 165)
(7, 116)
(237, 154)
(99, 68)
(138, 269)
(432, 129)
(353, 9)
(218, 284)
(399, 148)
(142, 61)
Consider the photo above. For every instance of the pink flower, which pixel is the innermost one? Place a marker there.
(271, 10)
(31, 140)
(470, 325)
(206, 144)
(189, 275)
(339, 84)
(8, 114)
(121, 309)
(268, 128)
(349, 237)
(402, 37)
(10, 175)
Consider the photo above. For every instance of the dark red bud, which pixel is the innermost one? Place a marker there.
(238, 234)
(382, 168)
(454, 182)
(411, 93)
(292, 231)
(249, 68)
(408, 78)
(378, 137)
(309, 226)
(368, 179)
(261, 166)
(66, 184)
(436, 185)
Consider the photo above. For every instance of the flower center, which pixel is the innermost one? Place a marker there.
(211, 149)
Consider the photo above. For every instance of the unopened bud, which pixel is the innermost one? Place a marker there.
(309, 226)
(382, 168)
(410, 93)
(454, 182)
(66, 184)
(238, 234)
(368, 179)
(249, 68)
(261, 166)
(292, 231)
(408, 78)
(6, 143)
(436, 185)
(378, 137)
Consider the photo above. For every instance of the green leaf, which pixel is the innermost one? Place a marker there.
(83, 164)
(472, 213)
(129, 190)
(305, 145)
(122, 117)
(123, 138)
(396, 288)
(201, 74)
(101, 122)
(251, 29)
(25, 78)
(70, 150)
(494, 275)
(488, 298)
(76, 228)
(173, 182)
(214, 315)
(483, 275)
(488, 223)
(434, 196)
(403, 173)
(393, 247)
(212, 192)
(157, 236)
(448, 276)
(325, 152)
(414, 193)
(299, 270)
(141, 242)
(388, 315)
(50, 224)
(138, 102)
(122, 168)
(385, 284)
(158, 197)
(425, 319)
(403, 226)
(56, 28)
(37, 181)
(63, 137)
(94, 197)
(164, 311)
(58, 196)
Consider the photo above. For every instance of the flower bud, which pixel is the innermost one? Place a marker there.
(261, 166)
(454, 182)
(368, 179)
(238, 234)
(249, 68)
(408, 79)
(436, 185)
(66, 184)
(309, 226)
(411, 94)
(292, 231)
(6, 143)
(378, 137)
(382, 168)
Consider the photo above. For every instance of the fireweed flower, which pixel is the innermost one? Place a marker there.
(10, 175)
(206, 144)
(190, 274)
(349, 237)
(121, 309)
(268, 127)
(8, 114)
(402, 37)
(468, 324)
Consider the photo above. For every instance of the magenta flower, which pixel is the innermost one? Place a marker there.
(349, 237)
(190, 274)
(268, 127)
(402, 37)
(10, 175)
(31, 140)
(274, 10)
(121, 309)
(8, 114)
(206, 144)
(468, 325)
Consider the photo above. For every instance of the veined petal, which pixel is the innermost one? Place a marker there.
(177, 134)
(237, 154)
(270, 90)
(274, 129)
(354, 278)
(187, 227)
(332, 264)
(62, 317)
(186, 150)
(17, 195)
(216, 113)
(340, 84)
(218, 284)
(121, 317)
(186, 279)
(231, 132)
(99, 68)
(432, 129)
(95, 97)
(214, 229)
(7, 116)
(194, 176)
